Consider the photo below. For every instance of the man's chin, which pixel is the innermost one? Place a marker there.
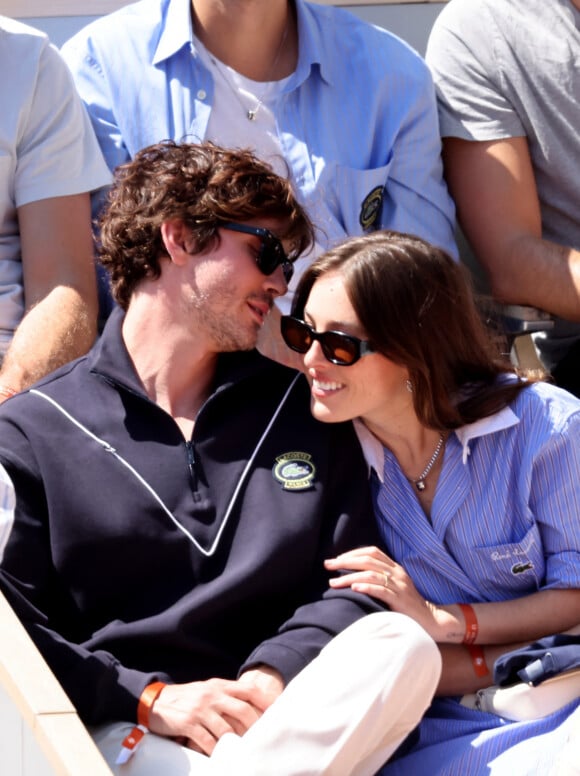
(237, 344)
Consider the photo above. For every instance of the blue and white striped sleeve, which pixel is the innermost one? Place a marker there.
(555, 501)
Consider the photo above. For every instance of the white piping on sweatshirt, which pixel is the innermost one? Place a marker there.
(110, 449)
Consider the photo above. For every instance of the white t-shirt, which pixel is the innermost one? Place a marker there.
(234, 96)
(47, 148)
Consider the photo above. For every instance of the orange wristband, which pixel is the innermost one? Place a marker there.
(471, 626)
(477, 660)
(147, 699)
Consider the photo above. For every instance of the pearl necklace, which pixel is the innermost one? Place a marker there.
(419, 483)
(251, 113)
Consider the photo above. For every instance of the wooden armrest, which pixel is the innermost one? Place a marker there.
(519, 319)
(40, 731)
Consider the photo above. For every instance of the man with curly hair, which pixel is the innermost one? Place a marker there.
(167, 552)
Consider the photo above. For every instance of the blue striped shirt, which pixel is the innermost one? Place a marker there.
(505, 519)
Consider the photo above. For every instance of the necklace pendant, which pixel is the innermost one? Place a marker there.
(420, 485)
(251, 114)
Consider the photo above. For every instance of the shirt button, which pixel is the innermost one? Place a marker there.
(201, 94)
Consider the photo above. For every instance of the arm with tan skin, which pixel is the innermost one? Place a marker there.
(198, 714)
(458, 676)
(502, 625)
(60, 291)
(495, 192)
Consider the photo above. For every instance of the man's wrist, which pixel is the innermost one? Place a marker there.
(263, 676)
(146, 701)
(449, 630)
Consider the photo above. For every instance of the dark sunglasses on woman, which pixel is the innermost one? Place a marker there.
(338, 348)
(270, 253)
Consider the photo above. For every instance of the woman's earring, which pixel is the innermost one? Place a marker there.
(409, 386)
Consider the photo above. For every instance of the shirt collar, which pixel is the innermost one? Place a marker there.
(312, 42)
(110, 359)
(373, 449)
(176, 30)
(503, 419)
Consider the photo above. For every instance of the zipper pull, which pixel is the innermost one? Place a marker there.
(192, 472)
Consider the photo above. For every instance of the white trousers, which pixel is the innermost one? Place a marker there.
(343, 715)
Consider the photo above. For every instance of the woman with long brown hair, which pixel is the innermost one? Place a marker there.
(475, 477)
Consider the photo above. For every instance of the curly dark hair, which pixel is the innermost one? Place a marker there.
(417, 308)
(203, 185)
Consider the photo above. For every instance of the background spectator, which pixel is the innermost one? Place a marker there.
(49, 162)
(508, 84)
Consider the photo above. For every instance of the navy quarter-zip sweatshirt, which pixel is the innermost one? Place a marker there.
(137, 555)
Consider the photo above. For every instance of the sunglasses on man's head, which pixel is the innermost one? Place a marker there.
(338, 347)
(270, 253)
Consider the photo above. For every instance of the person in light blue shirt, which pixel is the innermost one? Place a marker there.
(346, 109)
(474, 474)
